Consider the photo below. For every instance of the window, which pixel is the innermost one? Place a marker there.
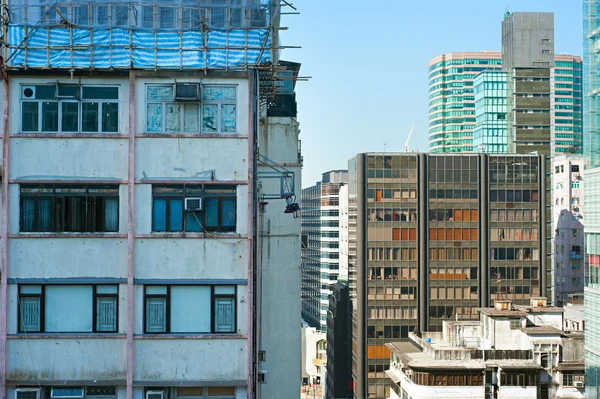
(217, 111)
(68, 308)
(69, 109)
(189, 309)
(217, 211)
(66, 208)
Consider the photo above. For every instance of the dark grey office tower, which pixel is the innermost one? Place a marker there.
(338, 344)
(528, 57)
(438, 236)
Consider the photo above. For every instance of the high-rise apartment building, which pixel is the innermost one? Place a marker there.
(438, 236)
(568, 221)
(453, 106)
(136, 260)
(321, 256)
(591, 83)
(338, 344)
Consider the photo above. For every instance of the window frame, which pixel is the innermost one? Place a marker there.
(200, 190)
(79, 100)
(212, 310)
(200, 103)
(57, 211)
(42, 311)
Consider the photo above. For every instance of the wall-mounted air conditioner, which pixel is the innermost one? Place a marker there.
(578, 384)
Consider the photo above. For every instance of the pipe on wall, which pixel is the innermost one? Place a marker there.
(250, 325)
(131, 236)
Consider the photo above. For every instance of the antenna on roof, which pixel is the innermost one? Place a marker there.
(506, 13)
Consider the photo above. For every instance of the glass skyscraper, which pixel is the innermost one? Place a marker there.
(489, 135)
(591, 82)
(452, 102)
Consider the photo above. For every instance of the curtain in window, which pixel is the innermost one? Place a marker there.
(69, 308)
(45, 214)
(211, 212)
(111, 214)
(175, 215)
(159, 214)
(190, 309)
(228, 213)
(156, 315)
(28, 214)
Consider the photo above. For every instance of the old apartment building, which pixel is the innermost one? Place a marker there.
(137, 145)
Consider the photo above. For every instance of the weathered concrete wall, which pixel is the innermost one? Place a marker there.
(66, 359)
(63, 258)
(88, 159)
(190, 159)
(280, 265)
(190, 360)
(192, 258)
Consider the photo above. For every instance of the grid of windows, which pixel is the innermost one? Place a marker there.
(63, 108)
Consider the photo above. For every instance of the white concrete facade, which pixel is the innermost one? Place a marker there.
(568, 219)
(137, 256)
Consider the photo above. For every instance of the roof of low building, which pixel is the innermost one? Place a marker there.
(541, 330)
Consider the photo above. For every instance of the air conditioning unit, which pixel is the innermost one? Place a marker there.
(27, 393)
(155, 394)
(193, 204)
(28, 92)
(578, 384)
(187, 91)
(489, 389)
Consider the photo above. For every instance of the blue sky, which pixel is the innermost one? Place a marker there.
(368, 62)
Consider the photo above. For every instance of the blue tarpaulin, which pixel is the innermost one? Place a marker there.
(123, 48)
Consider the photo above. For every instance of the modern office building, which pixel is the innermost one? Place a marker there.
(489, 134)
(528, 59)
(321, 258)
(338, 344)
(509, 352)
(458, 124)
(591, 83)
(592, 282)
(568, 220)
(452, 98)
(438, 236)
(136, 152)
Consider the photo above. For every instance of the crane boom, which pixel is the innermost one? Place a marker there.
(408, 138)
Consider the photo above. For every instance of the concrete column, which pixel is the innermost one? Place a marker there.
(4, 242)
(543, 170)
(422, 274)
(131, 235)
(484, 239)
(361, 275)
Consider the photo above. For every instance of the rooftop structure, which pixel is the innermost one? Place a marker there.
(511, 351)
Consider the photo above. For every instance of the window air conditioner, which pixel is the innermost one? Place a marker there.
(193, 204)
(187, 91)
(155, 394)
(578, 384)
(27, 393)
(262, 356)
